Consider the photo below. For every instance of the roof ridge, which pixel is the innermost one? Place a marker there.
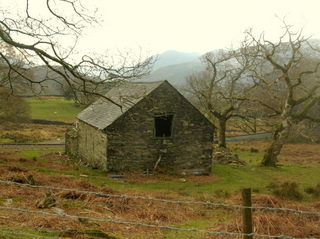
(144, 82)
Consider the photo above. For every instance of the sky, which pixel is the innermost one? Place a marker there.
(155, 26)
(194, 25)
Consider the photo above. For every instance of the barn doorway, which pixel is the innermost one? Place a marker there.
(163, 125)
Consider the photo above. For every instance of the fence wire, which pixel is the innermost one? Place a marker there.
(222, 233)
(119, 203)
(208, 203)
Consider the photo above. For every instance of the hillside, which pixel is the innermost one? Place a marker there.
(168, 58)
(173, 66)
(50, 83)
(175, 74)
(53, 85)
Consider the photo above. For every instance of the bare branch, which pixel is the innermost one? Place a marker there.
(36, 39)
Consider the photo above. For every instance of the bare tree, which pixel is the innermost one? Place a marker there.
(50, 36)
(7, 77)
(287, 82)
(220, 89)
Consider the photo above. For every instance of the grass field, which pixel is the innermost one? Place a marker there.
(45, 108)
(226, 178)
(300, 164)
(31, 133)
(53, 108)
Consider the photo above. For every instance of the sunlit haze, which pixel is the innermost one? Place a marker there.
(185, 25)
(194, 26)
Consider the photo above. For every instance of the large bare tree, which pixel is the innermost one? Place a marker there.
(219, 90)
(46, 32)
(286, 82)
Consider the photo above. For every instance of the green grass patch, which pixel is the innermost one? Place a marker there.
(71, 204)
(6, 141)
(16, 233)
(228, 179)
(36, 153)
(55, 109)
(214, 217)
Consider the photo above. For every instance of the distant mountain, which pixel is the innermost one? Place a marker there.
(175, 66)
(315, 43)
(174, 57)
(175, 74)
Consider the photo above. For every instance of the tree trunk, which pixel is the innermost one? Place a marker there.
(280, 137)
(222, 132)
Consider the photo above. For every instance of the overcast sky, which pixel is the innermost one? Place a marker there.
(194, 25)
(186, 25)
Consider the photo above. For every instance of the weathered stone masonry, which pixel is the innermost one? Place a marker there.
(129, 143)
(87, 144)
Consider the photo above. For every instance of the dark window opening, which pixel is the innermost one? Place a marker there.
(163, 125)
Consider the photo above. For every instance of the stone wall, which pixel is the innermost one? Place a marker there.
(87, 144)
(132, 145)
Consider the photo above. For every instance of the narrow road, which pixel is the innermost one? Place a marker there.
(249, 137)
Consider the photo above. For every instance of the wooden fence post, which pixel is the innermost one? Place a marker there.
(247, 213)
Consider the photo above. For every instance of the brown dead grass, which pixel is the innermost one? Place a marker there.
(80, 204)
(303, 154)
(34, 132)
(150, 212)
(54, 161)
(247, 145)
(278, 222)
(89, 206)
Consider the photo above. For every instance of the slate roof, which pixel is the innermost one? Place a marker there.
(102, 113)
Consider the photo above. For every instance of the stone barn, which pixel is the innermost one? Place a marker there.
(152, 127)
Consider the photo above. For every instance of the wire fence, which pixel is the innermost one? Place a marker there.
(148, 225)
(207, 203)
(154, 199)
(128, 205)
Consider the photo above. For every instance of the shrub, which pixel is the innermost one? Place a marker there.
(272, 186)
(20, 138)
(22, 179)
(254, 150)
(314, 191)
(13, 108)
(222, 193)
(287, 190)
